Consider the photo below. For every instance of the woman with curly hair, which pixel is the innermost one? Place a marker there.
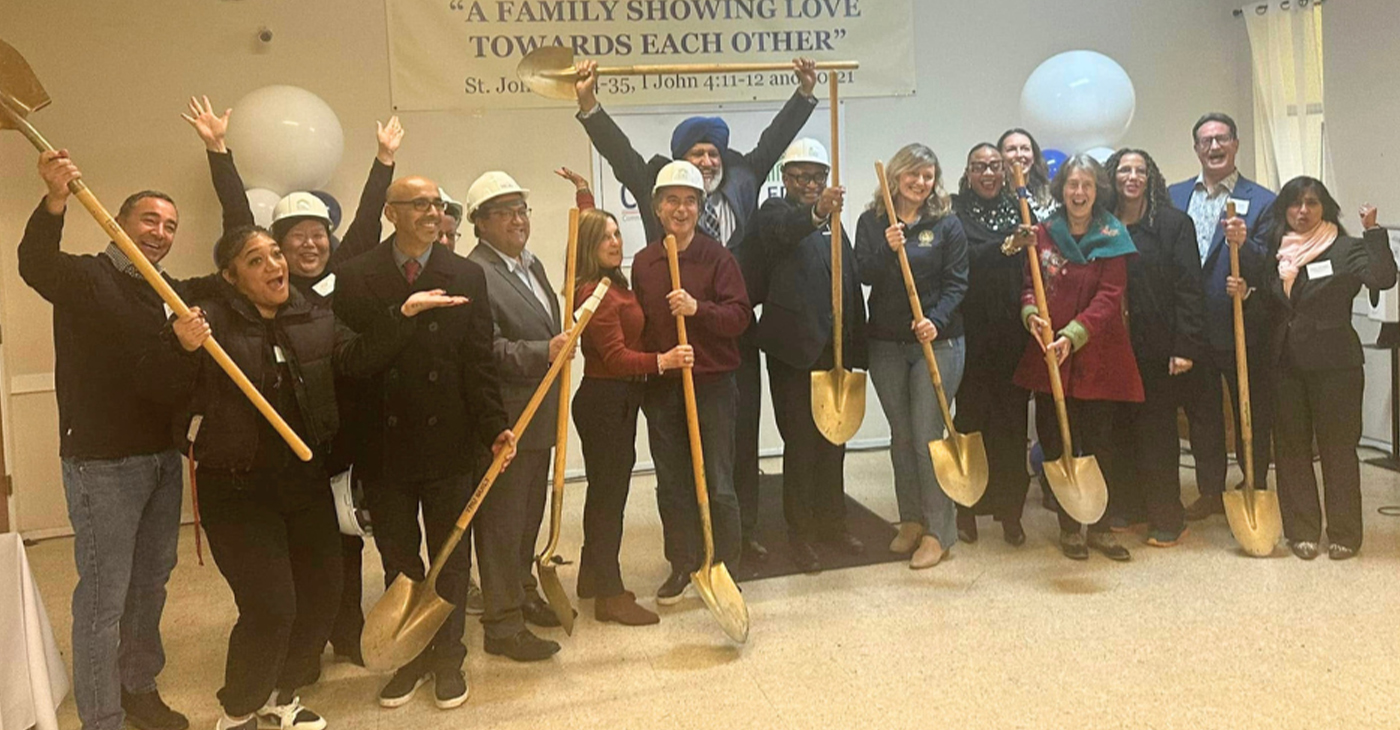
(1165, 310)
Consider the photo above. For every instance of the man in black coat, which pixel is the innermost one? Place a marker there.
(733, 181)
(422, 413)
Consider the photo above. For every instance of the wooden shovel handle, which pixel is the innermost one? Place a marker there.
(692, 415)
(561, 425)
(1241, 364)
(838, 308)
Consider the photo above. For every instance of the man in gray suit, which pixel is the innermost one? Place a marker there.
(527, 338)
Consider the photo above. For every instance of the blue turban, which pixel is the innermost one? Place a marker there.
(695, 130)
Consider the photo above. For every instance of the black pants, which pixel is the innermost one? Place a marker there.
(350, 617)
(395, 507)
(277, 545)
(1326, 405)
(1091, 428)
(1143, 472)
(998, 408)
(1206, 414)
(605, 413)
(505, 530)
(749, 378)
(814, 488)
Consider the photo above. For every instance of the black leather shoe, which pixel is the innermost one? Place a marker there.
(148, 711)
(537, 612)
(754, 550)
(846, 543)
(805, 557)
(523, 647)
(1014, 534)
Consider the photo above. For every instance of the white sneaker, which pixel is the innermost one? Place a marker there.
(291, 716)
(228, 723)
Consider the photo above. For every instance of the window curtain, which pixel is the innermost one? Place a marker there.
(1285, 43)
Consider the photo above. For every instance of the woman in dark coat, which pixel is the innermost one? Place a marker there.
(1165, 307)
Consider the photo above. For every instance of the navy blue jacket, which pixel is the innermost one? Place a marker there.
(1254, 259)
(937, 253)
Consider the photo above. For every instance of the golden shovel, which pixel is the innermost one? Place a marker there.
(1077, 481)
(549, 576)
(960, 460)
(550, 72)
(716, 587)
(838, 395)
(1253, 514)
(20, 94)
(410, 613)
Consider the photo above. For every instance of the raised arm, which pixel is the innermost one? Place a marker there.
(228, 185)
(788, 121)
(365, 230)
(1373, 261)
(628, 165)
(57, 276)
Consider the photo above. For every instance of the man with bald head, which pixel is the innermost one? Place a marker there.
(423, 411)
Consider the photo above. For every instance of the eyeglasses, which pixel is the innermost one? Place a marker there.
(422, 204)
(1206, 143)
(977, 168)
(506, 213)
(451, 237)
(818, 178)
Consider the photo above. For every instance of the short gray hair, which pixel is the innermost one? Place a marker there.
(1082, 161)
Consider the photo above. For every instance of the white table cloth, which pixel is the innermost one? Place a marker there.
(33, 677)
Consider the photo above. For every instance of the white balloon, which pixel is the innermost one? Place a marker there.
(1078, 100)
(286, 139)
(262, 201)
(1100, 153)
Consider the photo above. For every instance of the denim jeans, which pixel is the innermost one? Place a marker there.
(906, 394)
(664, 406)
(126, 520)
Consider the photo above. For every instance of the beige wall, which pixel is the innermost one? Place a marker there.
(119, 80)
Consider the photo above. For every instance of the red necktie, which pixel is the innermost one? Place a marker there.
(411, 268)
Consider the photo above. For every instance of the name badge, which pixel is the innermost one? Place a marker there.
(278, 355)
(1319, 270)
(325, 286)
(168, 311)
(1241, 206)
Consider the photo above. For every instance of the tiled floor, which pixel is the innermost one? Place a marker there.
(1197, 636)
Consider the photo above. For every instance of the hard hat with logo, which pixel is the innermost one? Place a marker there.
(489, 186)
(298, 205)
(805, 149)
(679, 173)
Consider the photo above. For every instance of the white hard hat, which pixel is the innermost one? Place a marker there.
(680, 173)
(489, 186)
(450, 202)
(301, 205)
(805, 149)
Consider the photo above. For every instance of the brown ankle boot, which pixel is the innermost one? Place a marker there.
(623, 609)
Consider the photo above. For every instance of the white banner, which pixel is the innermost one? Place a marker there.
(462, 54)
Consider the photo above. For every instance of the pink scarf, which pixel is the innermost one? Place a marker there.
(1299, 250)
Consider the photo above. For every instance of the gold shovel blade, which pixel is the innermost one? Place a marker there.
(555, 595)
(838, 403)
(549, 72)
(721, 595)
(402, 624)
(1079, 486)
(21, 87)
(1254, 519)
(960, 463)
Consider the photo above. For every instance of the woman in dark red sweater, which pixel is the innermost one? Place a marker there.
(605, 413)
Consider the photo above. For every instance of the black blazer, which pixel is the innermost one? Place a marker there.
(1312, 327)
(1166, 303)
(796, 326)
(442, 391)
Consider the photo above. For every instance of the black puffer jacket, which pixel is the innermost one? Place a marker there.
(317, 348)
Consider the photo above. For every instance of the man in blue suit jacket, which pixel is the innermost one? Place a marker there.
(1204, 198)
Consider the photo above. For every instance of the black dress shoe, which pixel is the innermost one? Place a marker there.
(1014, 534)
(537, 612)
(148, 711)
(754, 550)
(523, 647)
(846, 543)
(805, 557)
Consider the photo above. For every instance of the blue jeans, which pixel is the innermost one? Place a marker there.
(906, 394)
(126, 521)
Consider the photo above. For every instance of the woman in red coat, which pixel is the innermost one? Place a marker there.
(1083, 254)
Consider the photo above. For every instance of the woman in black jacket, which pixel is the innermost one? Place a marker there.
(1317, 354)
(1165, 306)
(988, 401)
(269, 516)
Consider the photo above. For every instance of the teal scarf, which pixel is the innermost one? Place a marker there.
(1107, 238)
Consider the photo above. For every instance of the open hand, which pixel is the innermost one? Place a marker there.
(431, 299)
(580, 183)
(209, 126)
(390, 136)
(806, 70)
(586, 85)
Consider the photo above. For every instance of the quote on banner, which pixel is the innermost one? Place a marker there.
(462, 54)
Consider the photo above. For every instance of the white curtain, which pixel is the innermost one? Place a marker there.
(1285, 42)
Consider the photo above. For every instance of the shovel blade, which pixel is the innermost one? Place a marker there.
(960, 463)
(544, 71)
(555, 595)
(20, 85)
(402, 624)
(838, 403)
(721, 595)
(1254, 519)
(1079, 486)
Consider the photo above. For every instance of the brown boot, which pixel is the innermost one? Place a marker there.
(623, 609)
